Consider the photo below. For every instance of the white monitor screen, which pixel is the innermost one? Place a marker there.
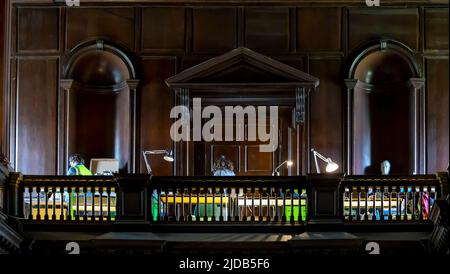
(100, 166)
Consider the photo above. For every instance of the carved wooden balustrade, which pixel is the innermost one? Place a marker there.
(140, 202)
(389, 198)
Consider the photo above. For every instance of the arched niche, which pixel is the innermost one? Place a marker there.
(383, 110)
(98, 105)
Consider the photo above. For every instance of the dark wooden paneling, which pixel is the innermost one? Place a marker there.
(297, 62)
(2, 72)
(383, 130)
(156, 103)
(257, 162)
(93, 127)
(36, 116)
(436, 28)
(163, 29)
(116, 24)
(38, 29)
(438, 114)
(267, 29)
(361, 131)
(190, 61)
(99, 125)
(328, 28)
(214, 30)
(230, 151)
(366, 24)
(326, 110)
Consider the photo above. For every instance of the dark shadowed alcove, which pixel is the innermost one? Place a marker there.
(385, 110)
(100, 104)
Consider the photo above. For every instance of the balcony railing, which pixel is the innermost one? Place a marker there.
(229, 200)
(389, 198)
(68, 199)
(141, 202)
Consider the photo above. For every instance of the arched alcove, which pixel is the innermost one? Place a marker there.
(99, 68)
(384, 110)
(99, 104)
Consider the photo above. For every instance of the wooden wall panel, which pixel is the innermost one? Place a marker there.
(267, 29)
(38, 29)
(190, 61)
(326, 110)
(297, 62)
(257, 162)
(214, 30)
(436, 28)
(36, 105)
(328, 26)
(438, 114)
(197, 34)
(156, 101)
(231, 152)
(116, 24)
(2, 71)
(96, 125)
(163, 29)
(366, 24)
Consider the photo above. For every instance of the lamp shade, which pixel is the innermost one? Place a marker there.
(168, 156)
(331, 166)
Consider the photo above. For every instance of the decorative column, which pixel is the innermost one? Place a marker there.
(133, 203)
(181, 149)
(302, 116)
(133, 110)
(14, 204)
(300, 95)
(348, 143)
(420, 165)
(63, 124)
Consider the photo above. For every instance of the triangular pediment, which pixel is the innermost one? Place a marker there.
(242, 66)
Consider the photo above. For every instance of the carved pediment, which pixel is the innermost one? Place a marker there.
(242, 66)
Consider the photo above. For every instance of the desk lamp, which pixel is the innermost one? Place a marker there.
(331, 166)
(276, 171)
(168, 156)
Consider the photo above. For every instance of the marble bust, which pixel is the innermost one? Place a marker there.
(385, 167)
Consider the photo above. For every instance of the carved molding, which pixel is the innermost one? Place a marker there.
(350, 83)
(417, 83)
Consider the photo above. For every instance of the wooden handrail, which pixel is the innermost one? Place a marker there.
(388, 198)
(134, 194)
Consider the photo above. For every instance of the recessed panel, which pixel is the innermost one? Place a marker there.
(325, 35)
(155, 105)
(325, 203)
(231, 152)
(326, 110)
(36, 116)
(267, 29)
(401, 24)
(163, 29)
(436, 28)
(214, 30)
(438, 115)
(115, 24)
(38, 29)
(258, 161)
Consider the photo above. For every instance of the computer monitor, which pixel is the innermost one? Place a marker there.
(104, 166)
